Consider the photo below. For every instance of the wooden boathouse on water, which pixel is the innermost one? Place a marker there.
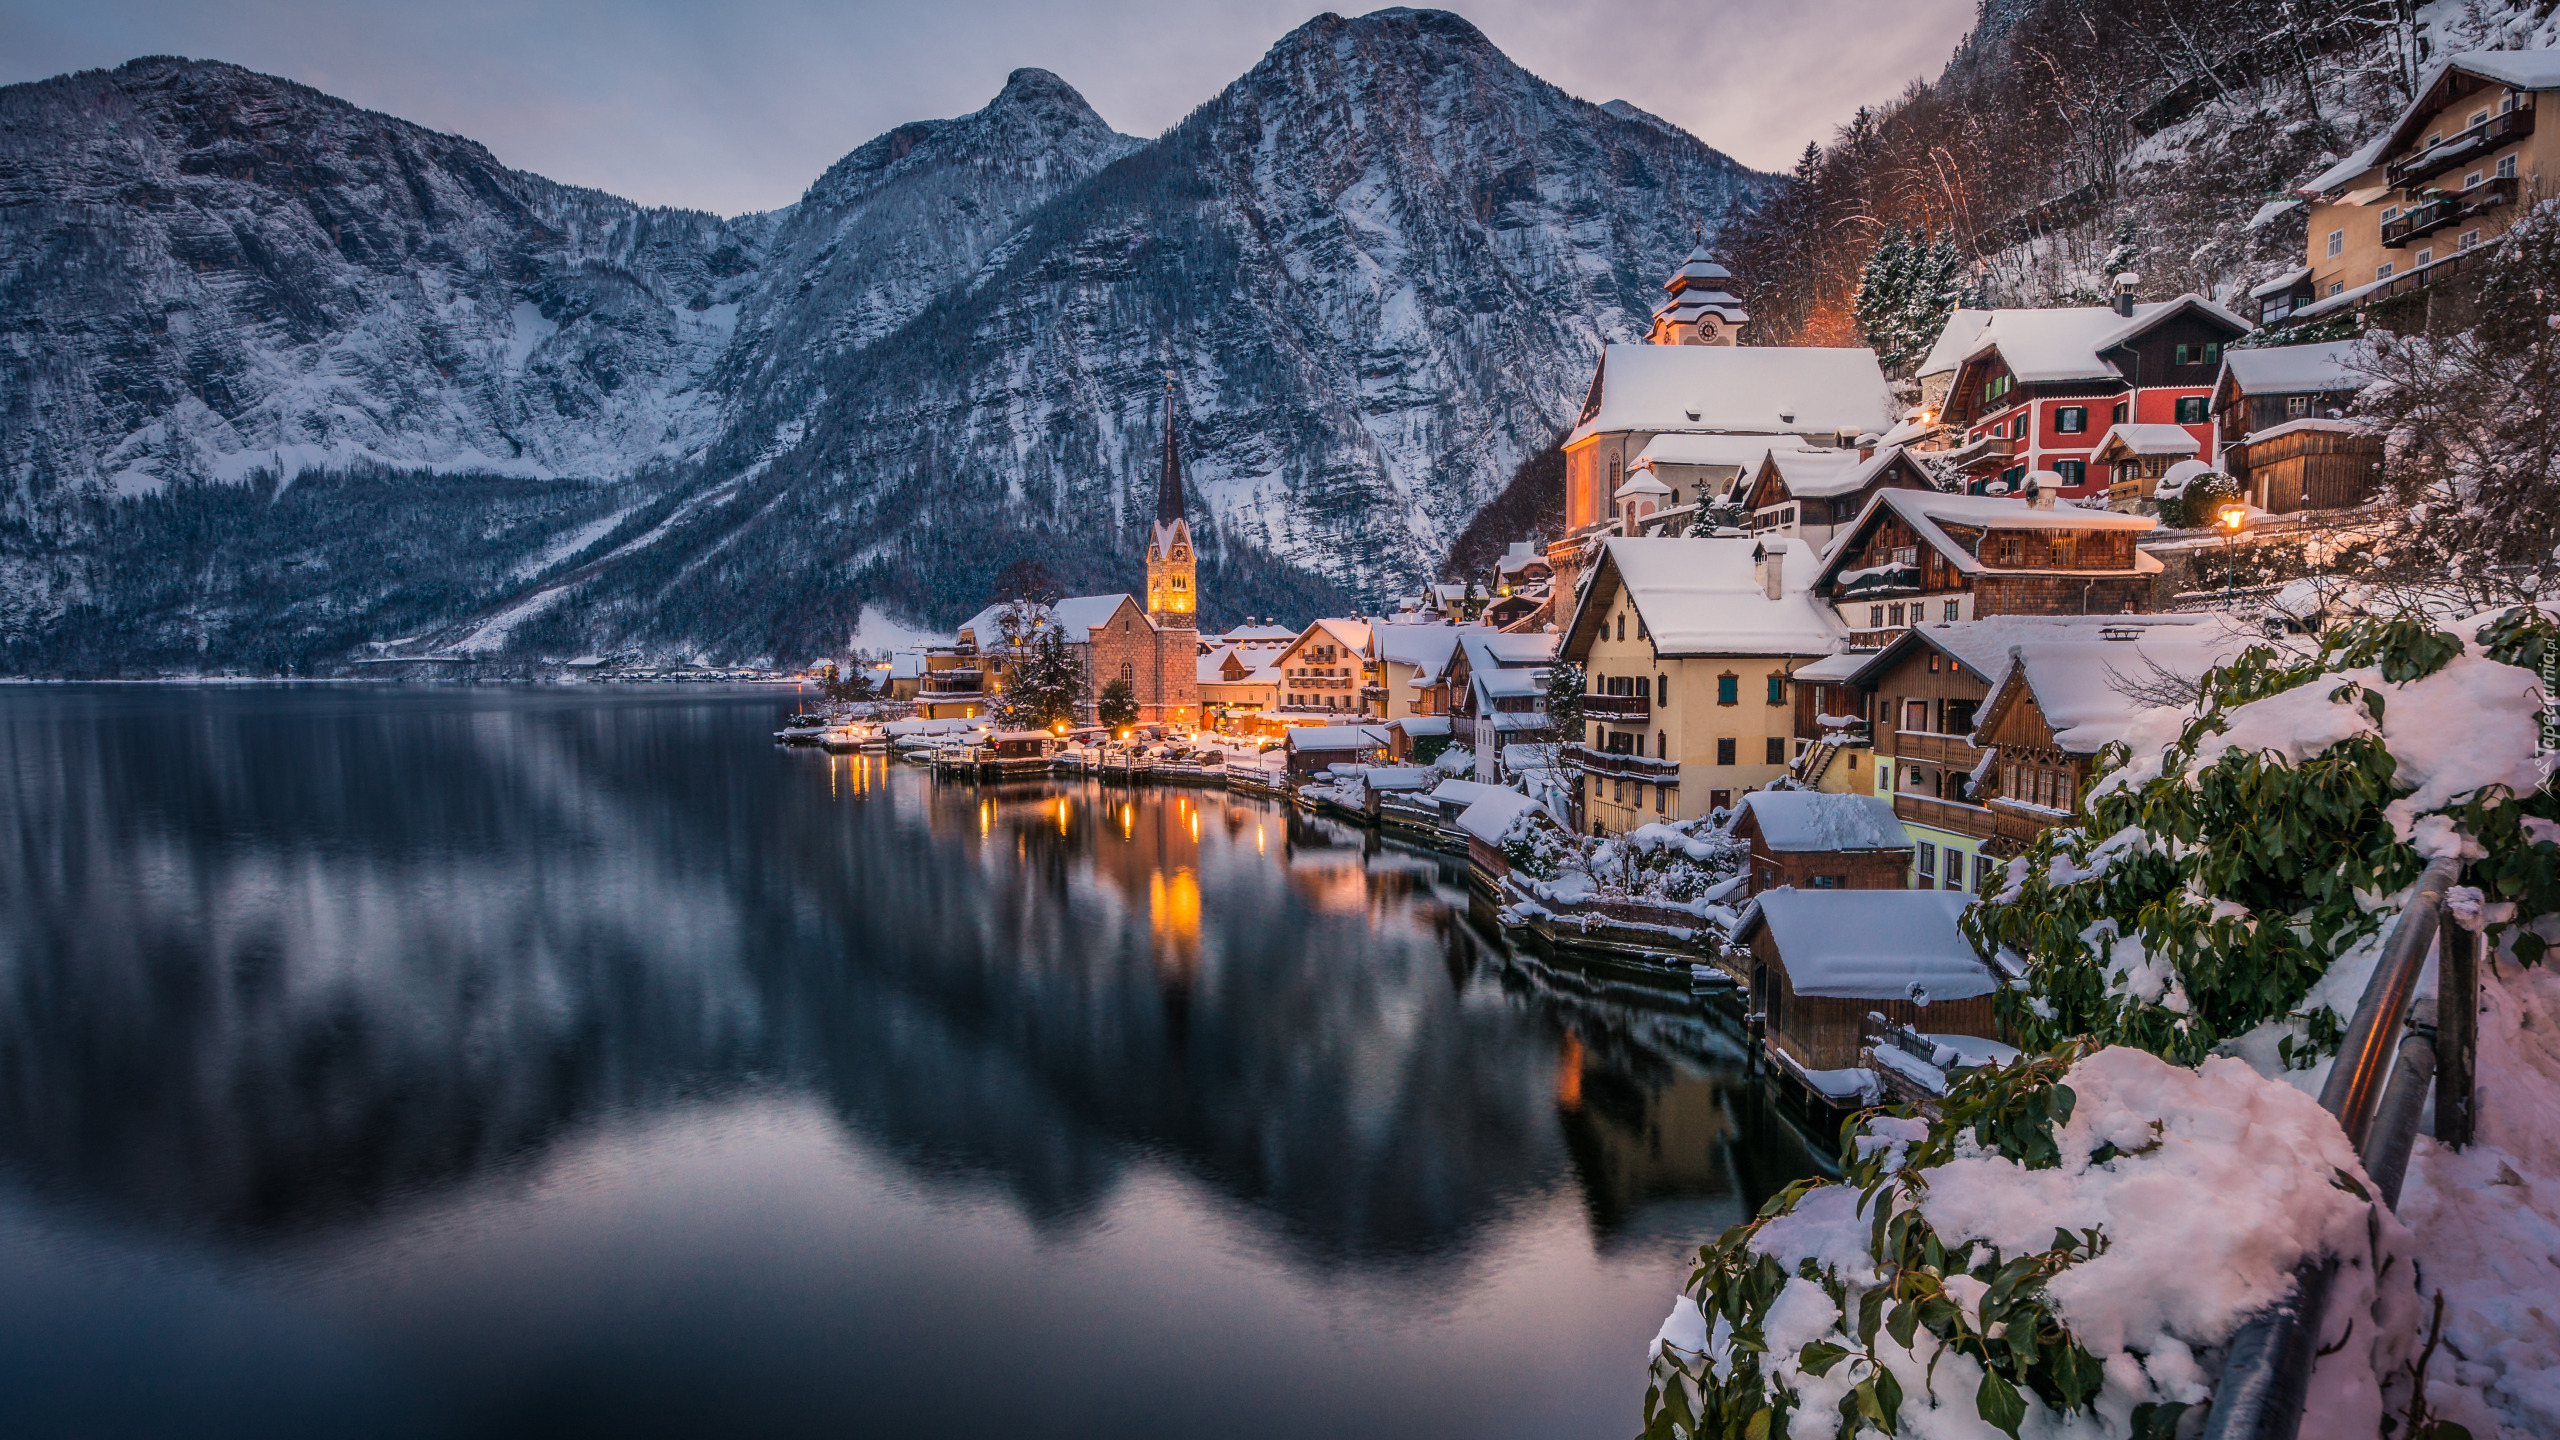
(1821, 963)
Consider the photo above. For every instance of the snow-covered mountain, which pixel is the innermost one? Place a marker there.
(1377, 266)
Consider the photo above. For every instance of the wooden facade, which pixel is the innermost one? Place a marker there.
(1826, 1032)
(2324, 466)
(1886, 575)
(1819, 869)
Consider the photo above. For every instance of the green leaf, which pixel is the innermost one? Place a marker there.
(1870, 1315)
(2341, 1180)
(1757, 1427)
(1999, 1404)
(1903, 1323)
(2158, 1420)
(1818, 1356)
(1888, 1396)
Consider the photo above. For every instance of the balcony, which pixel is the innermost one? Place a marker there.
(1618, 709)
(2443, 210)
(1926, 747)
(1953, 816)
(1875, 639)
(1624, 767)
(2470, 144)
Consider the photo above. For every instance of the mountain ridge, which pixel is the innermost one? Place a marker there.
(1379, 261)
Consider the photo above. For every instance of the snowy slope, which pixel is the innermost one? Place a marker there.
(1380, 264)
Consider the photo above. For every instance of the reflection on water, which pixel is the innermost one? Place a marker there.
(465, 1062)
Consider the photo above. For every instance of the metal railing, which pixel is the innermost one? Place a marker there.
(2267, 1372)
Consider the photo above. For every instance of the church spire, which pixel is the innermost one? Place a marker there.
(1169, 488)
(1173, 571)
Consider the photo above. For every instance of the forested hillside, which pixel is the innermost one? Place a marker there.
(2068, 140)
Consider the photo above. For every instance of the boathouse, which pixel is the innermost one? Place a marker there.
(1821, 962)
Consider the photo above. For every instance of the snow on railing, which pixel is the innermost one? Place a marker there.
(2266, 1373)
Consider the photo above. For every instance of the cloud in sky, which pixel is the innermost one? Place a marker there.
(737, 106)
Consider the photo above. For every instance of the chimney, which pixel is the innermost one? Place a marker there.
(2124, 293)
(1867, 444)
(2039, 494)
(1768, 566)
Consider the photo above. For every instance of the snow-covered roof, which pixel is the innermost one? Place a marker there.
(1425, 647)
(1258, 669)
(1705, 597)
(1871, 944)
(2125, 440)
(2312, 422)
(2077, 678)
(1925, 510)
(1337, 737)
(2065, 343)
(1352, 635)
(1465, 792)
(1983, 646)
(2266, 215)
(1078, 615)
(1745, 390)
(1678, 449)
(2278, 286)
(1250, 634)
(1955, 341)
(1418, 726)
(1831, 669)
(2517, 69)
(1802, 820)
(2354, 163)
(2297, 369)
(1491, 816)
(1640, 482)
(1496, 650)
(906, 664)
(1810, 472)
(1519, 556)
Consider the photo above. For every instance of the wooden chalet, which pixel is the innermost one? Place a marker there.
(2036, 389)
(2280, 415)
(1812, 841)
(1808, 494)
(1913, 556)
(1822, 961)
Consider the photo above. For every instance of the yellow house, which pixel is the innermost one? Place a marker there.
(2453, 172)
(1687, 647)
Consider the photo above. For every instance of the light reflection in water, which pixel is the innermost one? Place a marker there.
(441, 1057)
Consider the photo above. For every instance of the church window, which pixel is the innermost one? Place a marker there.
(1128, 672)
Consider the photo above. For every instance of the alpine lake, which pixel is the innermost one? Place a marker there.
(441, 1061)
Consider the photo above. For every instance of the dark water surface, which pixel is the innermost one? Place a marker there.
(467, 1063)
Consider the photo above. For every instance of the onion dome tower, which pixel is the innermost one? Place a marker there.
(1702, 310)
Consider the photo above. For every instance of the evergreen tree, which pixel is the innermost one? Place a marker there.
(1937, 287)
(1044, 682)
(1118, 705)
(1884, 291)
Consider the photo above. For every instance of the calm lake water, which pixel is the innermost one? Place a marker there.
(467, 1063)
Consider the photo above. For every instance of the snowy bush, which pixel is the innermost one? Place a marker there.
(1676, 862)
(2233, 884)
(2060, 1252)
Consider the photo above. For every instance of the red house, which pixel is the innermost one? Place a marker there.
(2038, 389)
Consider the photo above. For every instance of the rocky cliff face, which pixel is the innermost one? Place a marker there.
(1377, 265)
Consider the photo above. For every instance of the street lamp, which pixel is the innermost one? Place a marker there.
(2230, 517)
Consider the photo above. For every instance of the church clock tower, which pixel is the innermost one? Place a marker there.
(1173, 567)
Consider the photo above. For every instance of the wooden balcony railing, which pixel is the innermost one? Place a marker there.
(1617, 709)
(1953, 816)
(1624, 767)
(2479, 140)
(1929, 748)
